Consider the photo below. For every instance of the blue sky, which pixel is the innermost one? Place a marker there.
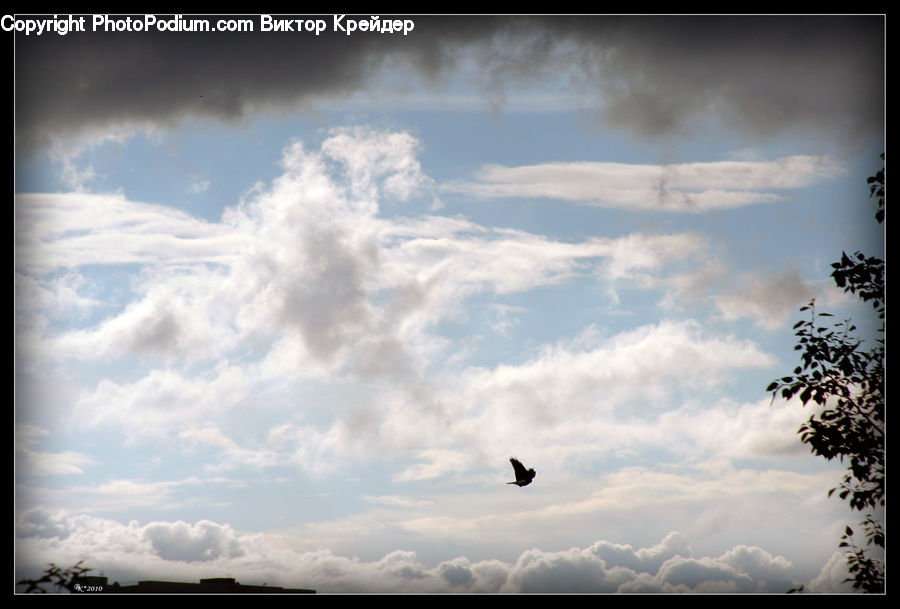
(285, 305)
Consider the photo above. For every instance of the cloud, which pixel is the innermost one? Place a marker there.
(638, 367)
(198, 185)
(652, 75)
(30, 462)
(202, 541)
(396, 501)
(180, 551)
(569, 571)
(763, 74)
(302, 279)
(831, 577)
(759, 431)
(119, 495)
(712, 500)
(163, 401)
(43, 523)
(441, 462)
(772, 300)
(60, 295)
(78, 229)
(39, 301)
(316, 452)
(690, 187)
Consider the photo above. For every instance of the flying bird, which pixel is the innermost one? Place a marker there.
(523, 476)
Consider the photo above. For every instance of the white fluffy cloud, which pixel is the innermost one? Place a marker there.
(235, 325)
(68, 230)
(632, 373)
(304, 280)
(307, 264)
(181, 541)
(831, 577)
(163, 401)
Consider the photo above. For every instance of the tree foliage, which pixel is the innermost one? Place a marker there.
(63, 579)
(846, 381)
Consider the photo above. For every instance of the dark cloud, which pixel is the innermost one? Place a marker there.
(98, 80)
(457, 572)
(204, 541)
(41, 522)
(649, 75)
(762, 73)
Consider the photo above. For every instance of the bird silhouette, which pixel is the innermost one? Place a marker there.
(523, 476)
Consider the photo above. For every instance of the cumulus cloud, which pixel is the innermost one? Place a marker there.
(304, 279)
(589, 390)
(182, 551)
(690, 187)
(574, 570)
(204, 540)
(43, 523)
(831, 577)
(652, 75)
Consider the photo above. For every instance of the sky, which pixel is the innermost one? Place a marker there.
(286, 302)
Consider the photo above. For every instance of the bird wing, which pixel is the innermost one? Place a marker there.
(521, 472)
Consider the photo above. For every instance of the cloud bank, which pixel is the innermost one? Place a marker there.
(654, 76)
(181, 551)
(304, 281)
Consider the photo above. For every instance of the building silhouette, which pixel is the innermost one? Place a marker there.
(215, 585)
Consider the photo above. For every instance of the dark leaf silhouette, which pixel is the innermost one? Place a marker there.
(62, 579)
(848, 383)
